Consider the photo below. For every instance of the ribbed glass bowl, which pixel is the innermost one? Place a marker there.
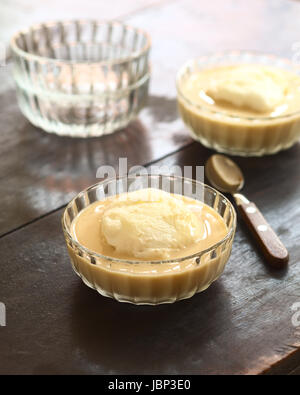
(81, 78)
(235, 134)
(150, 282)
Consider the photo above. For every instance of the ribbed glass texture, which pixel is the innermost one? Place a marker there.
(81, 78)
(146, 282)
(254, 135)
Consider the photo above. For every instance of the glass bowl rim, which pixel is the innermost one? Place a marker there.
(68, 235)
(42, 59)
(220, 54)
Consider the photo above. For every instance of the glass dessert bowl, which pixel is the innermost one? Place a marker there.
(241, 103)
(173, 273)
(81, 78)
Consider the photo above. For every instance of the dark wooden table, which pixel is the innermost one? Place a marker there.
(243, 323)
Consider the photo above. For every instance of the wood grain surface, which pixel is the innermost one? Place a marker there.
(243, 323)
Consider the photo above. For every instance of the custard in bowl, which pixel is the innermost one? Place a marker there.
(241, 103)
(146, 245)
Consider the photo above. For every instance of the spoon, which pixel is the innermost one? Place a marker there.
(226, 176)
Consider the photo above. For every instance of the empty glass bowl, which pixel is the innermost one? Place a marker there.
(149, 282)
(81, 78)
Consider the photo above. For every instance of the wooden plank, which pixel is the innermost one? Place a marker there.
(295, 372)
(241, 325)
(39, 172)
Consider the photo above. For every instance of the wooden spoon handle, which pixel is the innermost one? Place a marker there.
(274, 251)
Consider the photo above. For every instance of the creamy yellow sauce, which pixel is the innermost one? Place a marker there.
(198, 85)
(240, 113)
(141, 230)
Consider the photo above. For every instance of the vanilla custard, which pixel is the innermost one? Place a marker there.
(149, 225)
(241, 109)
